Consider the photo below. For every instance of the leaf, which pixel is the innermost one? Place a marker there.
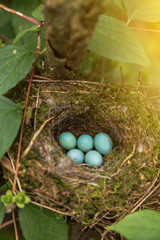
(2, 212)
(119, 3)
(115, 40)
(10, 120)
(142, 225)
(38, 14)
(144, 10)
(39, 223)
(21, 34)
(19, 24)
(15, 63)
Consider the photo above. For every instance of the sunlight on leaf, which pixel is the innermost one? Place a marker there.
(143, 10)
(119, 3)
(115, 40)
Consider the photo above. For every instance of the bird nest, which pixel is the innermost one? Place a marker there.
(129, 176)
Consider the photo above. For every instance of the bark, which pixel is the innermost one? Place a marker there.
(69, 27)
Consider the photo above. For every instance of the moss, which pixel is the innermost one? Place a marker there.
(87, 194)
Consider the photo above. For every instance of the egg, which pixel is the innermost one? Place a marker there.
(103, 143)
(85, 143)
(76, 155)
(67, 140)
(93, 158)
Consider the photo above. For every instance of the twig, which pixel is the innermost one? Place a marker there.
(147, 194)
(51, 209)
(124, 161)
(12, 162)
(144, 199)
(15, 225)
(24, 114)
(7, 224)
(35, 136)
(146, 29)
(19, 14)
(65, 81)
(122, 77)
(4, 38)
(140, 83)
(148, 189)
(36, 110)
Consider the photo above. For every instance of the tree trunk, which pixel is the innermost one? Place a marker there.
(69, 27)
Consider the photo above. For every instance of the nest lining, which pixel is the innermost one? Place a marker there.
(98, 195)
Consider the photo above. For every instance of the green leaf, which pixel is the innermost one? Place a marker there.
(15, 63)
(38, 14)
(39, 223)
(142, 225)
(119, 3)
(2, 212)
(21, 34)
(144, 10)
(115, 40)
(10, 120)
(19, 24)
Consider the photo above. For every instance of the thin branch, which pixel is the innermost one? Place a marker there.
(19, 14)
(122, 77)
(34, 137)
(4, 38)
(24, 114)
(144, 199)
(51, 209)
(36, 110)
(124, 161)
(15, 225)
(145, 29)
(147, 194)
(14, 170)
(7, 223)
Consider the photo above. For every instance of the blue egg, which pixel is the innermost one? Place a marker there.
(103, 143)
(93, 158)
(67, 140)
(85, 143)
(76, 155)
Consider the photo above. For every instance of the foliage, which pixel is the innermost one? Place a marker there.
(37, 223)
(19, 24)
(19, 198)
(2, 212)
(10, 120)
(22, 33)
(144, 10)
(38, 14)
(8, 198)
(15, 63)
(142, 225)
(115, 40)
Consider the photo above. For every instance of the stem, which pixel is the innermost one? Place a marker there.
(24, 114)
(15, 225)
(130, 19)
(19, 14)
(146, 29)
